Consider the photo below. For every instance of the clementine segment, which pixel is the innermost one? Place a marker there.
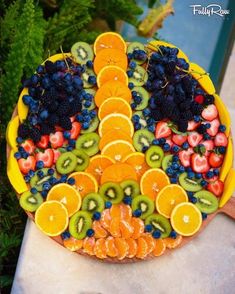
(109, 40)
(122, 247)
(118, 172)
(73, 244)
(115, 227)
(138, 226)
(111, 73)
(150, 242)
(160, 247)
(99, 248)
(110, 247)
(173, 243)
(100, 232)
(132, 247)
(126, 229)
(105, 219)
(142, 249)
(88, 245)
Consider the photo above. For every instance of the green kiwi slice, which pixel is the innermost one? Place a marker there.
(82, 52)
(92, 92)
(30, 202)
(130, 188)
(88, 72)
(144, 203)
(144, 96)
(79, 223)
(136, 46)
(159, 222)
(89, 143)
(142, 138)
(140, 76)
(191, 185)
(93, 126)
(167, 161)
(154, 156)
(82, 160)
(111, 192)
(66, 163)
(93, 202)
(206, 201)
(38, 182)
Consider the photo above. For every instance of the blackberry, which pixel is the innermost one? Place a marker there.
(35, 134)
(185, 105)
(63, 108)
(52, 107)
(75, 107)
(156, 115)
(175, 115)
(46, 129)
(187, 115)
(201, 129)
(50, 67)
(65, 123)
(167, 108)
(53, 119)
(179, 98)
(196, 108)
(182, 125)
(209, 99)
(23, 131)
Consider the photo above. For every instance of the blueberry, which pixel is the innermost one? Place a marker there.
(207, 125)
(25, 155)
(169, 171)
(39, 164)
(204, 215)
(44, 193)
(72, 142)
(193, 199)
(130, 73)
(137, 99)
(135, 118)
(131, 85)
(65, 235)
(33, 190)
(189, 169)
(19, 140)
(191, 175)
(181, 169)
(173, 234)
(21, 149)
(69, 148)
(137, 126)
(46, 186)
(90, 232)
(40, 174)
(216, 171)
(137, 213)
(175, 148)
(92, 80)
(27, 99)
(132, 64)
(197, 118)
(210, 174)
(206, 136)
(156, 234)
(204, 183)
(31, 173)
(92, 113)
(222, 128)
(144, 149)
(89, 64)
(129, 55)
(79, 118)
(148, 228)
(96, 215)
(85, 112)
(40, 69)
(127, 200)
(87, 104)
(166, 147)
(175, 165)
(17, 155)
(190, 194)
(175, 158)
(108, 204)
(44, 114)
(185, 145)
(71, 181)
(27, 178)
(221, 149)
(151, 128)
(155, 142)
(85, 125)
(63, 178)
(133, 105)
(198, 175)
(173, 180)
(146, 112)
(66, 134)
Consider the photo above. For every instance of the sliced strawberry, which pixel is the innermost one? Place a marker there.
(27, 164)
(216, 160)
(199, 163)
(213, 130)
(179, 139)
(192, 125)
(72, 118)
(213, 179)
(194, 139)
(184, 156)
(47, 156)
(216, 188)
(221, 140)
(56, 153)
(209, 145)
(162, 130)
(28, 146)
(43, 143)
(210, 112)
(56, 139)
(75, 131)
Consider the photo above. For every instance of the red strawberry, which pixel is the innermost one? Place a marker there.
(47, 156)
(199, 163)
(27, 164)
(28, 146)
(194, 138)
(216, 188)
(184, 156)
(75, 131)
(43, 143)
(209, 145)
(210, 112)
(216, 160)
(58, 129)
(221, 140)
(179, 139)
(162, 130)
(213, 179)
(199, 99)
(56, 153)
(72, 118)
(56, 139)
(213, 130)
(192, 125)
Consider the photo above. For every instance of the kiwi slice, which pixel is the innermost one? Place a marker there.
(140, 76)
(111, 192)
(144, 203)
(136, 46)
(130, 188)
(37, 182)
(79, 223)
(89, 143)
(93, 126)
(82, 52)
(141, 92)
(93, 202)
(159, 222)
(142, 119)
(30, 202)
(154, 156)
(167, 161)
(92, 92)
(206, 201)
(142, 138)
(82, 160)
(191, 185)
(66, 163)
(88, 72)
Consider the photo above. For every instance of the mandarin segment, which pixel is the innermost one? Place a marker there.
(105, 219)
(122, 247)
(115, 228)
(100, 232)
(160, 247)
(89, 245)
(132, 247)
(142, 249)
(173, 242)
(73, 244)
(126, 229)
(150, 241)
(126, 212)
(110, 247)
(99, 248)
(138, 226)
(115, 211)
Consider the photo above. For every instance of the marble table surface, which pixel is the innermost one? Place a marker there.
(206, 265)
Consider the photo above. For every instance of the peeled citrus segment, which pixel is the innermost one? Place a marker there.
(100, 232)
(98, 164)
(132, 247)
(169, 197)
(110, 247)
(105, 219)
(137, 160)
(109, 40)
(118, 149)
(73, 244)
(160, 247)
(85, 183)
(116, 121)
(126, 212)
(152, 182)
(173, 243)
(110, 57)
(186, 219)
(115, 227)
(67, 195)
(122, 248)
(138, 226)
(126, 229)
(112, 89)
(11, 132)
(115, 211)
(52, 218)
(118, 172)
(142, 249)
(99, 248)
(117, 134)
(88, 245)
(111, 73)
(114, 105)
(150, 242)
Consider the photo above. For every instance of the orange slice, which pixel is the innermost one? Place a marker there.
(126, 229)
(114, 105)
(67, 195)
(152, 182)
(85, 183)
(137, 160)
(142, 249)
(169, 197)
(160, 247)
(52, 218)
(173, 243)
(150, 242)
(88, 245)
(112, 89)
(122, 247)
(116, 121)
(105, 219)
(110, 57)
(117, 173)
(99, 248)
(98, 164)
(111, 73)
(100, 232)
(186, 219)
(115, 227)
(132, 247)
(138, 226)
(118, 149)
(111, 249)
(73, 244)
(109, 40)
(117, 134)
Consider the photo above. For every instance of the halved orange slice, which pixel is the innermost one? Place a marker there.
(117, 173)
(114, 105)
(137, 160)
(85, 183)
(109, 40)
(118, 149)
(111, 73)
(117, 134)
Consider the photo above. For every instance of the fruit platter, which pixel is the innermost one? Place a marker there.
(121, 151)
